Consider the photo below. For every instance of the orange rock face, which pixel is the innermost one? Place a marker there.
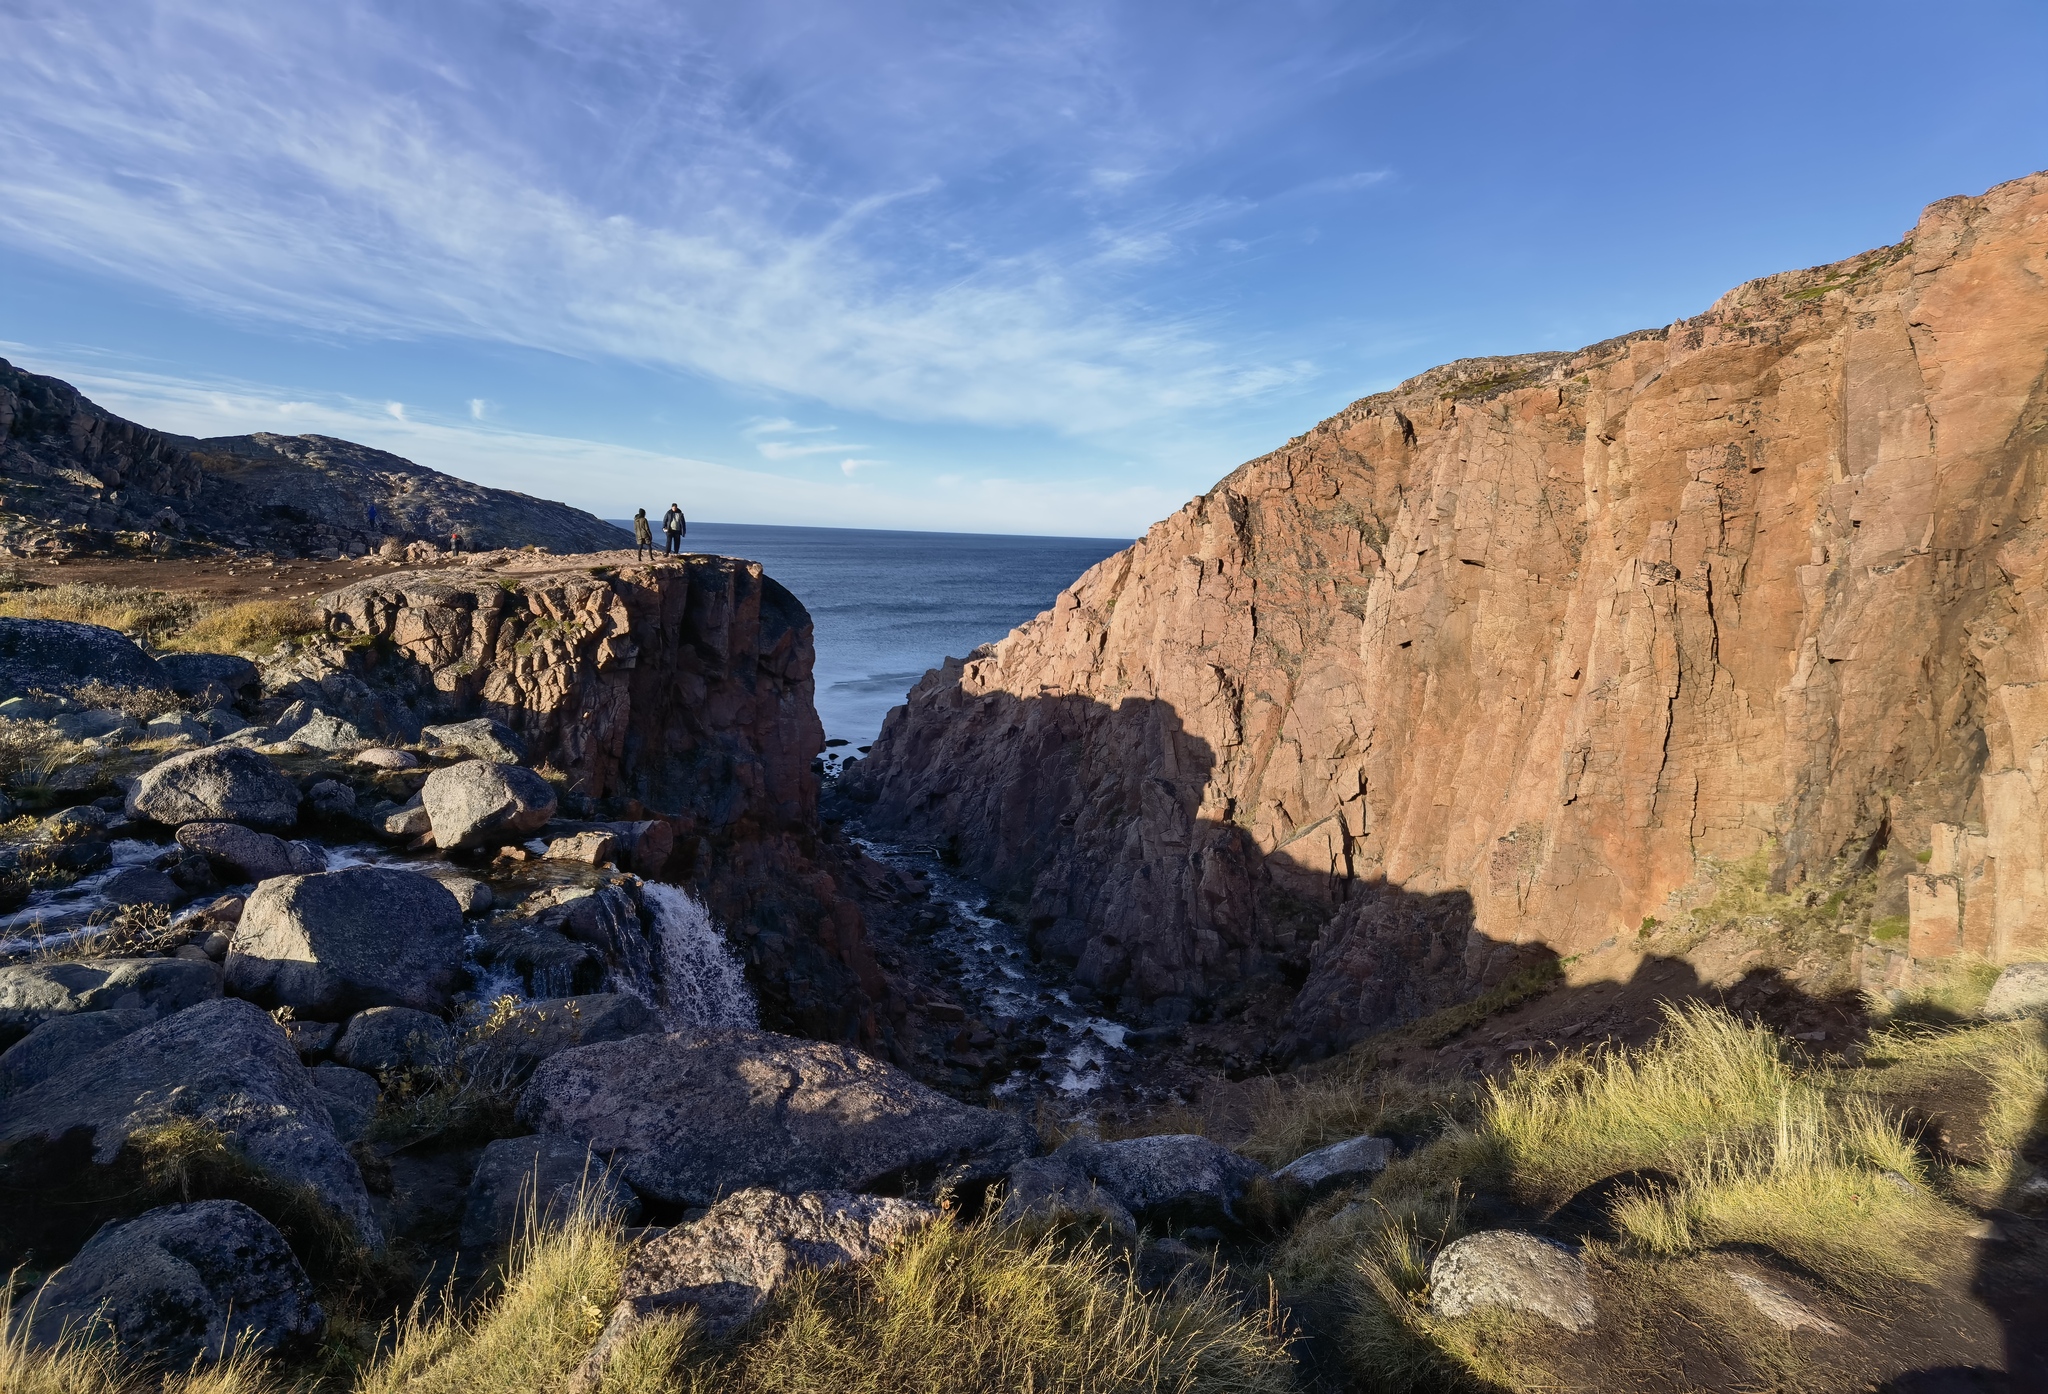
(1500, 660)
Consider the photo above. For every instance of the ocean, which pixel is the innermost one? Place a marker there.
(889, 605)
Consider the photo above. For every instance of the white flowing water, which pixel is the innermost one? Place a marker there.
(701, 981)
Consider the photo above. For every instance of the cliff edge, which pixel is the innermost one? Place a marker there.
(1511, 659)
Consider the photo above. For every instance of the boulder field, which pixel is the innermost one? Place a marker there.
(1499, 665)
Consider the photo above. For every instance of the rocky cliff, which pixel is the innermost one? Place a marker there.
(1508, 659)
(678, 691)
(79, 479)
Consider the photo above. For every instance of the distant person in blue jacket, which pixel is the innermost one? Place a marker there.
(673, 527)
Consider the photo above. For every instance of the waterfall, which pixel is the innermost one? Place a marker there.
(701, 983)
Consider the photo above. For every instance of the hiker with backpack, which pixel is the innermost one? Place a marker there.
(673, 527)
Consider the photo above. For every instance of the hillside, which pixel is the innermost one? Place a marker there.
(1527, 657)
(81, 481)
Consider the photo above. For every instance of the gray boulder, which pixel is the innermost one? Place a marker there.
(477, 802)
(390, 1038)
(325, 731)
(406, 822)
(58, 656)
(1178, 1177)
(2021, 990)
(191, 674)
(140, 885)
(223, 1064)
(34, 708)
(173, 725)
(541, 1176)
(691, 1118)
(306, 857)
(1339, 1163)
(332, 799)
(1519, 1272)
(482, 738)
(750, 1243)
(92, 725)
(644, 847)
(222, 783)
(219, 722)
(351, 1099)
(236, 853)
(1055, 1189)
(312, 1039)
(523, 1038)
(51, 1047)
(385, 758)
(472, 895)
(333, 943)
(182, 1284)
(69, 824)
(33, 993)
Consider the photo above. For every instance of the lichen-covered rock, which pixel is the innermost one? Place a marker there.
(182, 1284)
(1340, 1162)
(191, 674)
(589, 848)
(60, 656)
(689, 1118)
(333, 943)
(391, 1038)
(1177, 1177)
(476, 802)
(238, 854)
(542, 1177)
(223, 1064)
(384, 758)
(32, 993)
(54, 1045)
(141, 885)
(221, 783)
(481, 738)
(2021, 990)
(325, 731)
(1519, 1272)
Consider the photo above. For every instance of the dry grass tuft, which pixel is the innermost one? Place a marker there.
(144, 614)
(97, 1368)
(253, 628)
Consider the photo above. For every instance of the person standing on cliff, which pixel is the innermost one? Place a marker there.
(643, 537)
(673, 526)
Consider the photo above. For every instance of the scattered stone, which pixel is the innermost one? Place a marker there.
(408, 822)
(644, 847)
(1179, 1178)
(182, 1284)
(226, 911)
(1055, 1190)
(589, 848)
(691, 1118)
(350, 1096)
(222, 783)
(33, 993)
(1506, 1268)
(472, 895)
(92, 725)
(192, 673)
(482, 738)
(237, 854)
(1339, 1163)
(172, 725)
(191, 951)
(332, 799)
(327, 732)
(2021, 990)
(540, 1176)
(333, 943)
(520, 1039)
(69, 824)
(223, 1064)
(748, 1244)
(34, 708)
(220, 722)
(58, 656)
(312, 1039)
(390, 1038)
(215, 944)
(306, 857)
(1779, 1307)
(139, 885)
(55, 1044)
(477, 803)
(384, 758)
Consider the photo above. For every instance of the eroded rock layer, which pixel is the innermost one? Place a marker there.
(1499, 662)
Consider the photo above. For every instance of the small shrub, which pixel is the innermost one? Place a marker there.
(141, 703)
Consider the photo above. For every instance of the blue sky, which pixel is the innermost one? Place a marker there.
(993, 267)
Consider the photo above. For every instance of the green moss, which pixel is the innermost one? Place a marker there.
(1889, 929)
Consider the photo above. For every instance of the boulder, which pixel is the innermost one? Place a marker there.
(92, 725)
(1506, 1268)
(482, 738)
(590, 848)
(34, 708)
(748, 1244)
(176, 725)
(407, 822)
(52, 1046)
(312, 1039)
(1178, 1177)
(333, 800)
(390, 1038)
(306, 857)
(219, 722)
(333, 943)
(222, 783)
(1339, 1163)
(2021, 990)
(477, 803)
(547, 962)
(325, 731)
(236, 853)
(692, 1117)
(69, 824)
(1055, 1189)
(182, 1284)
(58, 656)
(191, 674)
(350, 1096)
(472, 895)
(541, 1176)
(520, 1039)
(384, 758)
(33, 993)
(222, 1063)
(140, 885)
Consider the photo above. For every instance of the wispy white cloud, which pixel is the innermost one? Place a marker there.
(797, 450)
(395, 410)
(602, 180)
(477, 407)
